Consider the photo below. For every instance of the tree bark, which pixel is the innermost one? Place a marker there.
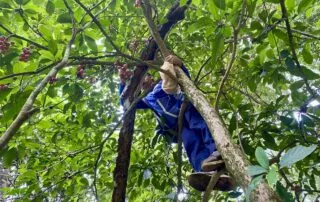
(120, 174)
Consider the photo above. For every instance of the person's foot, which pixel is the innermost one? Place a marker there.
(212, 163)
(200, 181)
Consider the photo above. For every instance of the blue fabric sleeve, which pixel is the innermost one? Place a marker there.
(140, 105)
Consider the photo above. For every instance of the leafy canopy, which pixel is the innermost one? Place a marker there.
(265, 102)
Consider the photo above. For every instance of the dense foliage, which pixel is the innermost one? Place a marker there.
(269, 101)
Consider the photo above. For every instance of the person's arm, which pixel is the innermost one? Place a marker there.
(140, 105)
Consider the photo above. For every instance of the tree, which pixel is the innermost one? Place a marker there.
(256, 60)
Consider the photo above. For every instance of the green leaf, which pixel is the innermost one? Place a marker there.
(256, 170)
(9, 157)
(253, 184)
(283, 193)
(45, 31)
(50, 7)
(296, 154)
(75, 92)
(286, 120)
(296, 85)
(4, 93)
(273, 1)
(304, 4)
(262, 157)
(220, 4)
(51, 92)
(64, 18)
(284, 54)
(53, 47)
(272, 176)
(290, 4)
(183, 2)
(307, 57)
(91, 43)
(309, 74)
(22, 2)
(290, 64)
(218, 45)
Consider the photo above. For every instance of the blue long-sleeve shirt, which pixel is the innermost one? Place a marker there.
(196, 137)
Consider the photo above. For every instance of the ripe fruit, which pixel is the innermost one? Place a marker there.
(137, 4)
(124, 72)
(53, 79)
(24, 56)
(4, 44)
(80, 71)
(3, 87)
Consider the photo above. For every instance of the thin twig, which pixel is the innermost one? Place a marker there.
(91, 9)
(213, 181)
(99, 25)
(20, 11)
(302, 33)
(23, 38)
(180, 125)
(196, 80)
(234, 53)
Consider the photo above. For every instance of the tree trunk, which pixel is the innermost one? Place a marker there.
(120, 174)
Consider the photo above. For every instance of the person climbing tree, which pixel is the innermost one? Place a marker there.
(165, 101)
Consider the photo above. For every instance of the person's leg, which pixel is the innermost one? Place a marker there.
(195, 149)
(213, 161)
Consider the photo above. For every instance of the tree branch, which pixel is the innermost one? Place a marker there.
(234, 53)
(291, 44)
(180, 125)
(23, 38)
(20, 11)
(213, 181)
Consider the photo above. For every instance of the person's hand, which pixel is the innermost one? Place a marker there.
(124, 72)
(174, 60)
(147, 82)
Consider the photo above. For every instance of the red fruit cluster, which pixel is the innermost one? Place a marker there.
(137, 3)
(124, 72)
(80, 71)
(4, 44)
(3, 87)
(148, 82)
(53, 79)
(24, 56)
